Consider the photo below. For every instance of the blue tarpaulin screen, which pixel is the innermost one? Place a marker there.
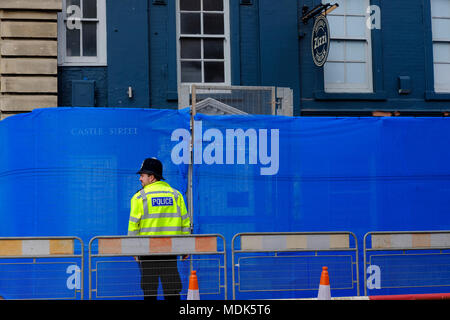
(72, 172)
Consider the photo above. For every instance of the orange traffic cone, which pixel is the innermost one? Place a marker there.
(193, 293)
(324, 286)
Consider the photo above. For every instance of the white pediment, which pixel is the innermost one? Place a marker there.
(211, 106)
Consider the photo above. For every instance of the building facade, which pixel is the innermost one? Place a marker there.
(28, 55)
(386, 57)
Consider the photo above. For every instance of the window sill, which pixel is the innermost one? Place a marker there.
(434, 96)
(82, 64)
(322, 95)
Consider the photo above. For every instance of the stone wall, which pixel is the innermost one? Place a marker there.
(28, 55)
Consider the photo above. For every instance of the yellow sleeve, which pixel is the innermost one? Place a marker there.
(185, 220)
(136, 211)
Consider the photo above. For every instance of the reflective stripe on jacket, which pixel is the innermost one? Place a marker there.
(157, 209)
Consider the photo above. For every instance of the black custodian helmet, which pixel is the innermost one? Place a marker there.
(152, 166)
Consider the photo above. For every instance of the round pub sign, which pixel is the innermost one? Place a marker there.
(320, 41)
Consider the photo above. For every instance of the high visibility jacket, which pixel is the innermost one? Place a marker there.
(158, 209)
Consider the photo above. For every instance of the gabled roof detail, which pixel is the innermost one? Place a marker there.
(213, 107)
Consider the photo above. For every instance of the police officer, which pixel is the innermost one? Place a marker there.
(158, 209)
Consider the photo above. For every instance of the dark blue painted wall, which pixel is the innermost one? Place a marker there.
(402, 47)
(128, 64)
(266, 50)
(68, 74)
(128, 60)
(163, 72)
(142, 52)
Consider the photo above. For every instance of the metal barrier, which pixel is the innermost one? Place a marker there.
(294, 272)
(51, 279)
(401, 256)
(234, 99)
(125, 280)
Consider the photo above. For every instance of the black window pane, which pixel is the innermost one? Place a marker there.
(213, 48)
(89, 8)
(191, 49)
(214, 72)
(191, 71)
(190, 23)
(73, 11)
(89, 39)
(73, 3)
(213, 23)
(73, 43)
(212, 5)
(190, 5)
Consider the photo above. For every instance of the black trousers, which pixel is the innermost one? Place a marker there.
(164, 268)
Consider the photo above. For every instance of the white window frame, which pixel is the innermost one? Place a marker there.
(347, 87)
(437, 87)
(226, 48)
(101, 58)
